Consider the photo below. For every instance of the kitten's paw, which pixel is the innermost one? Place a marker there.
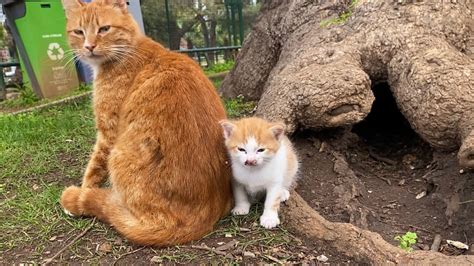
(285, 195)
(269, 220)
(240, 210)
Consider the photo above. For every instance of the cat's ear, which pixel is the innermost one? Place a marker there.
(122, 4)
(228, 128)
(72, 4)
(278, 129)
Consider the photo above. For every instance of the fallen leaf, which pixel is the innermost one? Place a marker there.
(421, 195)
(458, 244)
(156, 259)
(230, 244)
(249, 254)
(105, 247)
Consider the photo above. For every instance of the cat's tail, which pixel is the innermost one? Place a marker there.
(163, 231)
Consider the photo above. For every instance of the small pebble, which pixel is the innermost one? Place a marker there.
(322, 258)
(461, 171)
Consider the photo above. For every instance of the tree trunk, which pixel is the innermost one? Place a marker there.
(207, 36)
(312, 65)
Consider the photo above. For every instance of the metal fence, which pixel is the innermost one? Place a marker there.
(211, 31)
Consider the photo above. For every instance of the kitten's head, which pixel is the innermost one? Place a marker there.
(252, 141)
(100, 31)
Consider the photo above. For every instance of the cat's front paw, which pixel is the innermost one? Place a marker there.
(285, 195)
(240, 210)
(269, 220)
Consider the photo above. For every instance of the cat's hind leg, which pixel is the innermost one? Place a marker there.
(78, 201)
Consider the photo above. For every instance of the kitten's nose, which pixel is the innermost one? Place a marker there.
(90, 47)
(251, 162)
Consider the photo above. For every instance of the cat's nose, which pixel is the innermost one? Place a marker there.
(90, 47)
(251, 162)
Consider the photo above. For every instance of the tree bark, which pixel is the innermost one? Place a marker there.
(358, 243)
(311, 64)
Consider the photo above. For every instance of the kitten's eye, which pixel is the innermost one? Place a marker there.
(104, 29)
(260, 150)
(78, 32)
(241, 149)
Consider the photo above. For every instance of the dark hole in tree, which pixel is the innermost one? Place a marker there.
(386, 131)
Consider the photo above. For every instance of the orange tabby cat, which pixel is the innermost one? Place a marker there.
(158, 138)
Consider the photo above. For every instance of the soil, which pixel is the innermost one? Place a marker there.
(370, 176)
(252, 244)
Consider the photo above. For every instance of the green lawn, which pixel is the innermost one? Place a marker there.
(40, 152)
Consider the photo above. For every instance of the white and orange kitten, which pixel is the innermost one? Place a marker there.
(262, 159)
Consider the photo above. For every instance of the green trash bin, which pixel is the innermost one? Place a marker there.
(38, 28)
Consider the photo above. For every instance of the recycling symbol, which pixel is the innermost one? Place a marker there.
(55, 52)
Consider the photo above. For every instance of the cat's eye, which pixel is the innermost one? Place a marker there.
(260, 150)
(78, 32)
(242, 150)
(104, 29)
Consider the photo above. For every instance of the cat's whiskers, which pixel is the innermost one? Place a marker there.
(72, 58)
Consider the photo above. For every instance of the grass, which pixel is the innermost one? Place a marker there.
(218, 68)
(238, 107)
(341, 19)
(35, 147)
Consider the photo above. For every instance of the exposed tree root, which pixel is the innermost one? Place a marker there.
(361, 244)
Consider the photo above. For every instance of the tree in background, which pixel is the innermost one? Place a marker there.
(202, 23)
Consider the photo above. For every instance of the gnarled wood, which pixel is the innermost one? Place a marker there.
(314, 76)
(352, 241)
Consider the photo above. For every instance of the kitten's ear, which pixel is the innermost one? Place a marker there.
(122, 4)
(278, 129)
(72, 4)
(228, 128)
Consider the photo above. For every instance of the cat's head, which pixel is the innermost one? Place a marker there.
(252, 142)
(100, 31)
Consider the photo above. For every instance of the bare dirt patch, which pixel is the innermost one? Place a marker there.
(371, 177)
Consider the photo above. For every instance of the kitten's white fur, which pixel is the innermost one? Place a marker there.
(268, 175)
